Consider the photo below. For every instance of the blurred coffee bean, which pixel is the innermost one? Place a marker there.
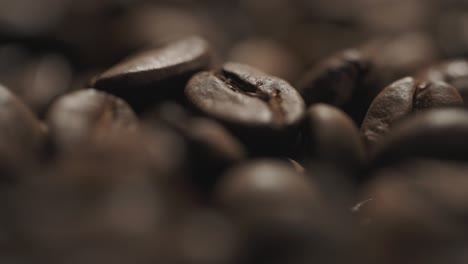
(206, 237)
(262, 17)
(168, 24)
(31, 17)
(379, 16)
(13, 58)
(417, 212)
(283, 215)
(454, 72)
(85, 115)
(268, 56)
(397, 57)
(211, 147)
(434, 134)
(315, 41)
(334, 80)
(98, 203)
(266, 188)
(331, 136)
(23, 138)
(297, 166)
(450, 32)
(42, 80)
(274, 204)
(257, 106)
(402, 98)
(158, 74)
(19, 127)
(36, 79)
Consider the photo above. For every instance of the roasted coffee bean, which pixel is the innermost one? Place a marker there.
(22, 136)
(104, 198)
(155, 75)
(266, 188)
(36, 80)
(435, 134)
(402, 98)
(87, 115)
(277, 208)
(255, 105)
(331, 136)
(335, 80)
(211, 147)
(341, 81)
(19, 127)
(44, 79)
(453, 72)
(419, 206)
(206, 237)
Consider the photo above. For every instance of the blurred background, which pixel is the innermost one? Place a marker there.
(48, 46)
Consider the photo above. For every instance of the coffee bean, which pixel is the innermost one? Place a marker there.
(265, 188)
(252, 103)
(332, 137)
(417, 205)
(104, 198)
(276, 206)
(343, 81)
(42, 80)
(206, 237)
(433, 134)
(211, 148)
(19, 127)
(87, 115)
(454, 72)
(155, 75)
(335, 80)
(22, 137)
(402, 98)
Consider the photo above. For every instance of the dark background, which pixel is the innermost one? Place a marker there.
(87, 36)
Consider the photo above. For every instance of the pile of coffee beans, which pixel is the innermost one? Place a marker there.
(233, 132)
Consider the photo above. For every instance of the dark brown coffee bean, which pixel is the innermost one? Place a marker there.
(335, 80)
(419, 205)
(87, 115)
(249, 101)
(104, 198)
(211, 148)
(434, 134)
(206, 237)
(453, 72)
(19, 127)
(22, 137)
(402, 98)
(265, 188)
(155, 75)
(42, 80)
(343, 81)
(276, 206)
(332, 137)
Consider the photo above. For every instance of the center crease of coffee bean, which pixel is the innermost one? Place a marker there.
(273, 100)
